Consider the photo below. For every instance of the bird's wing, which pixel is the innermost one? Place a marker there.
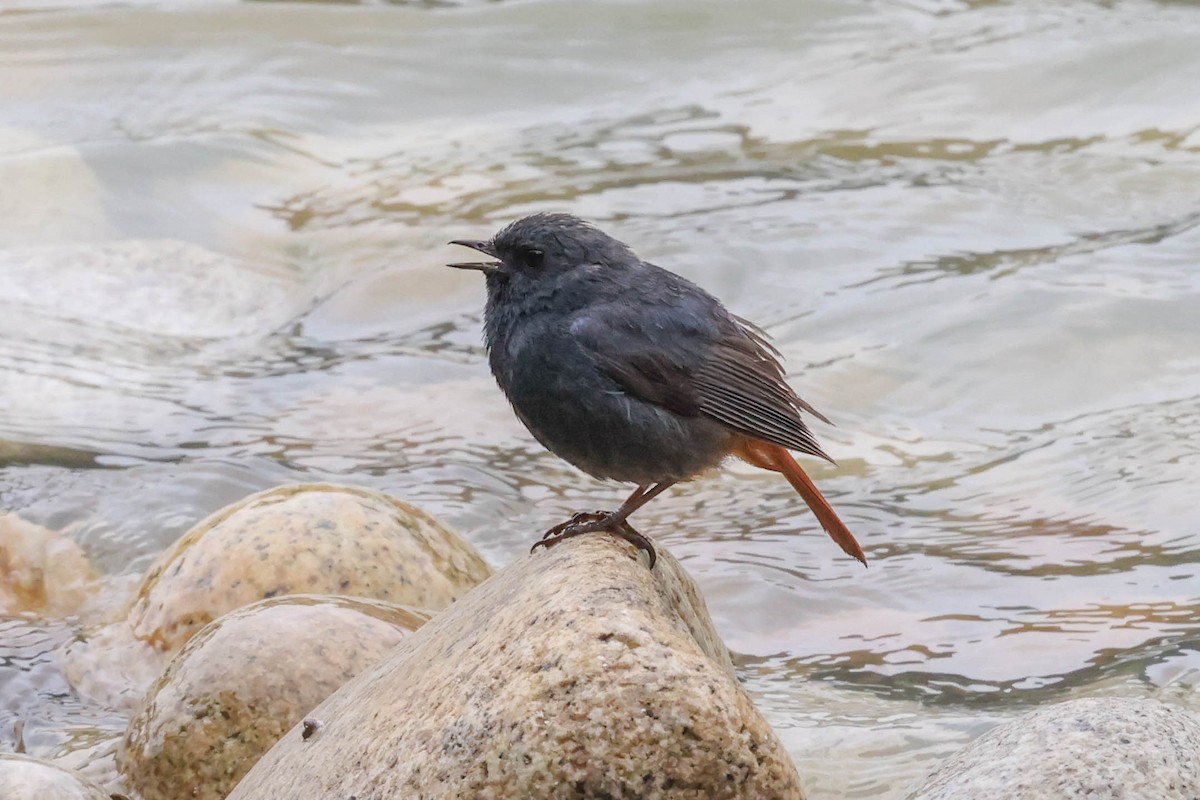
(706, 363)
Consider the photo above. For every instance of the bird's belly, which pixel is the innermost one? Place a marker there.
(613, 435)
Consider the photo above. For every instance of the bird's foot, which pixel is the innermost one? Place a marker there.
(596, 522)
(581, 517)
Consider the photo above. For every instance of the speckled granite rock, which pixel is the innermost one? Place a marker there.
(1100, 748)
(41, 570)
(307, 538)
(243, 680)
(574, 672)
(25, 778)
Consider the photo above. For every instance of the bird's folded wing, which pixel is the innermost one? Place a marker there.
(720, 367)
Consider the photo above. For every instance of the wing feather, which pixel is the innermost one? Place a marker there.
(728, 371)
(752, 397)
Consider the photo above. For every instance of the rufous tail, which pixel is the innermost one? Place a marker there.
(778, 459)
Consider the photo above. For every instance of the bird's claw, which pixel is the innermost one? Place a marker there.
(594, 522)
(578, 519)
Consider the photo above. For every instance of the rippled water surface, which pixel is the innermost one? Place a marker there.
(973, 228)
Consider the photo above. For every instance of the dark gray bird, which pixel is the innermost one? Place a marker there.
(632, 373)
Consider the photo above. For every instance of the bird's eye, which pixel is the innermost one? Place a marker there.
(530, 257)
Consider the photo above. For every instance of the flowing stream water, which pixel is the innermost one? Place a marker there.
(972, 228)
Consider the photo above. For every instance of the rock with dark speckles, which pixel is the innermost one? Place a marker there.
(26, 778)
(308, 538)
(573, 673)
(243, 680)
(1099, 748)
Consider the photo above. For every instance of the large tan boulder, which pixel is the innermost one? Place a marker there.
(1099, 748)
(575, 672)
(25, 778)
(306, 538)
(243, 680)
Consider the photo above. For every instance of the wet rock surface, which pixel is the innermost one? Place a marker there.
(41, 571)
(574, 672)
(243, 681)
(109, 665)
(1099, 748)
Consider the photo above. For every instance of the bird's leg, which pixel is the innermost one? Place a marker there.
(600, 520)
(596, 516)
(614, 522)
(641, 495)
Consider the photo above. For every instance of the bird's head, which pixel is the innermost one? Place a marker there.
(543, 245)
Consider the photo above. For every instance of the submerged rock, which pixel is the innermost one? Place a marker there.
(41, 571)
(26, 778)
(160, 289)
(575, 672)
(111, 666)
(1099, 748)
(51, 194)
(243, 681)
(307, 538)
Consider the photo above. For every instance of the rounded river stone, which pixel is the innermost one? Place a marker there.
(307, 538)
(1098, 748)
(575, 672)
(244, 680)
(41, 571)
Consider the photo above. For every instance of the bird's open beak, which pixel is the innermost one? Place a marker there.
(486, 267)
